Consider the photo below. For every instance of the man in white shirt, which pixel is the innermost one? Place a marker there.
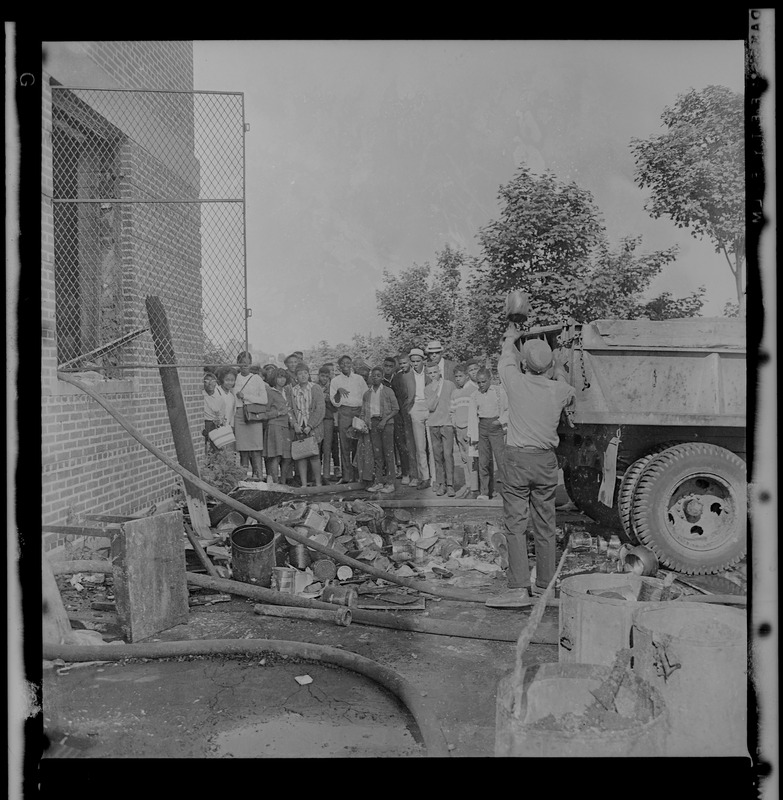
(347, 390)
(416, 406)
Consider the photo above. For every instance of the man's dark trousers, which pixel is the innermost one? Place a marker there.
(491, 443)
(345, 415)
(383, 449)
(530, 481)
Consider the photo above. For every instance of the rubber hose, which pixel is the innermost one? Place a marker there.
(411, 698)
(421, 586)
(376, 619)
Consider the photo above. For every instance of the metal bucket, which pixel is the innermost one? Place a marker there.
(554, 699)
(253, 554)
(696, 655)
(593, 628)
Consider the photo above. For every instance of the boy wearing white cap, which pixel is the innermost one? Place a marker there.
(530, 465)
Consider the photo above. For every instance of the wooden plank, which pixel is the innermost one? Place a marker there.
(150, 585)
(104, 532)
(180, 426)
(56, 625)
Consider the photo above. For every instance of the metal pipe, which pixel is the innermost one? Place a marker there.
(340, 616)
(419, 585)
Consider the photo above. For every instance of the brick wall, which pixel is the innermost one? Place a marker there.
(90, 464)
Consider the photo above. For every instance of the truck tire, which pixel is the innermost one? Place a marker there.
(628, 488)
(582, 485)
(690, 508)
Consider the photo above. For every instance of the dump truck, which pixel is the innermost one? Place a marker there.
(654, 446)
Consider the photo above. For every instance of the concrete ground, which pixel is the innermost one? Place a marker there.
(235, 707)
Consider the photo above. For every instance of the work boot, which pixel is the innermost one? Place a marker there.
(424, 484)
(439, 490)
(405, 480)
(450, 491)
(482, 497)
(388, 489)
(462, 491)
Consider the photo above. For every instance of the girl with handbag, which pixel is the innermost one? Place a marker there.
(308, 409)
(250, 392)
(279, 433)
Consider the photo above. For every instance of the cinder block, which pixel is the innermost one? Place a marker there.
(150, 585)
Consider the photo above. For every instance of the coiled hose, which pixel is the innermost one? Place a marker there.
(431, 733)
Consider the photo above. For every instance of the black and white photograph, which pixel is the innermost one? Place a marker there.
(400, 399)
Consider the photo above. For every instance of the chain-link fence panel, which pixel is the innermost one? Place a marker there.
(148, 200)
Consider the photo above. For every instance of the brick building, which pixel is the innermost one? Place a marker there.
(100, 260)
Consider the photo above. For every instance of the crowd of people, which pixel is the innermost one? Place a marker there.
(410, 421)
(406, 420)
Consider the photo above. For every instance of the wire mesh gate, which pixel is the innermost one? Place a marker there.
(148, 199)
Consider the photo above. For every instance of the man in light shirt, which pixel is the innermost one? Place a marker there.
(437, 394)
(487, 418)
(416, 407)
(347, 390)
(530, 466)
(460, 408)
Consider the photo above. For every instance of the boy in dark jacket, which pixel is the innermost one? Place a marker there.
(379, 407)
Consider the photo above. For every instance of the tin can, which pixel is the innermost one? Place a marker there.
(299, 556)
(324, 569)
(284, 579)
(340, 595)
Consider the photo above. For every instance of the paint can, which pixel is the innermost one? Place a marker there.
(284, 579)
(253, 554)
(324, 569)
(340, 595)
(299, 556)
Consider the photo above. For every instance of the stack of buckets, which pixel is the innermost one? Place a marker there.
(689, 660)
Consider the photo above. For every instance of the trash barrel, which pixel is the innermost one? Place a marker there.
(593, 628)
(552, 721)
(696, 656)
(253, 554)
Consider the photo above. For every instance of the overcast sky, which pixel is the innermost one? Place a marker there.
(370, 156)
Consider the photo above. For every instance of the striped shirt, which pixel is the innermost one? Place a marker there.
(460, 404)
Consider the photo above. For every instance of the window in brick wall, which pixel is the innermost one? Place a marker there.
(87, 258)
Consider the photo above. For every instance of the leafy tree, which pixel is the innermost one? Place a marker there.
(370, 349)
(550, 241)
(731, 309)
(420, 304)
(696, 172)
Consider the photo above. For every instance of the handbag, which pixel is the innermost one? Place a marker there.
(222, 436)
(304, 448)
(254, 412)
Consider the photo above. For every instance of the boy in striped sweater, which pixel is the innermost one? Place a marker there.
(460, 407)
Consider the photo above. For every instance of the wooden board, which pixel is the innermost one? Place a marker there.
(150, 585)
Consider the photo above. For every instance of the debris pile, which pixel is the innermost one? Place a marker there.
(464, 555)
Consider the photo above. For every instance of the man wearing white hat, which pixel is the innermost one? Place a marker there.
(530, 465)
(416, 407)
(435, 356)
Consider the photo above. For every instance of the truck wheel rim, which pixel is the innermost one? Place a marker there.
(701, 512)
